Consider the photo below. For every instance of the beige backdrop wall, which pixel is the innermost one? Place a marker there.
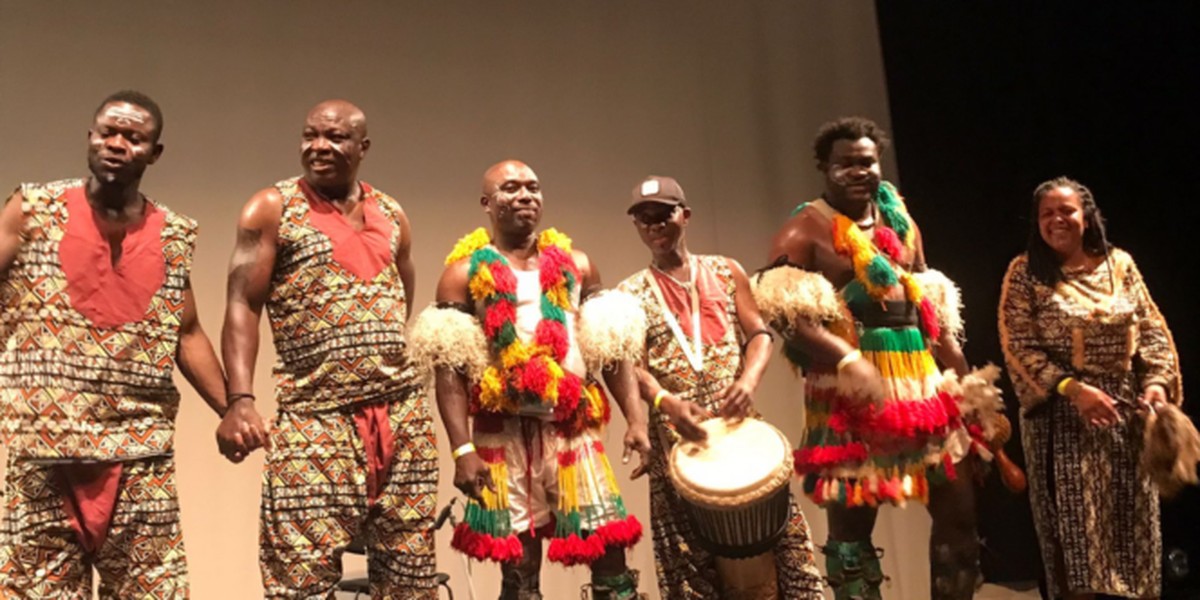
(723, 96)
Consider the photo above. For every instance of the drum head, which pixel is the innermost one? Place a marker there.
(737, 459)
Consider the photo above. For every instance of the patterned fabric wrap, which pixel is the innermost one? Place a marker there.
(142, 557)
(315, 500)
(685, 570)
(339, 336)
(1092, 505)
(70, 389)
(868, 456)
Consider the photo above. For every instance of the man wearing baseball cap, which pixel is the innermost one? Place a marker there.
(699, 310)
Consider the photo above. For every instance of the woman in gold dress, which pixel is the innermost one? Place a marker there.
(1087, 351)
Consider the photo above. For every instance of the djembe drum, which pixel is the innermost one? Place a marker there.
(735, 488)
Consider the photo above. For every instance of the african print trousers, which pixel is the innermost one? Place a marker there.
(141, 557)
(317, 484)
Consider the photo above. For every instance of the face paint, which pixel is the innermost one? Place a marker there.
(848, 174)
(124, 116)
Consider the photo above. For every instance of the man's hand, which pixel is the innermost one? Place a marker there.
(241, 431)
(737, 399)
(472, 475)
(637, 439)
(685, 417)
(860, 381)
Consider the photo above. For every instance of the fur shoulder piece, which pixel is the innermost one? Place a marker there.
(787, 295)
(612, 328)
(946, 299)
(448, 337)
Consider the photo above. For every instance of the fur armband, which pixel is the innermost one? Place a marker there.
(980, 402)
(787, 295)
(447, 337)
(612, 328)
(946, 299)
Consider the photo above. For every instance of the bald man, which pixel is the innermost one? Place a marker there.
(532, 462)
(352, 451)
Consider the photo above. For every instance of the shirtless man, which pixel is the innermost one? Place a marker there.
(861, 449)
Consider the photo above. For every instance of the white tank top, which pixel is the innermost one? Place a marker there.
(529, 313)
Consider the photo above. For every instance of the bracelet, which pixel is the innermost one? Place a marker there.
(463, 450)
(459, 306)
(1062, 386)
(766, 332)
(231, 398)
(850, 357)
(658, 398)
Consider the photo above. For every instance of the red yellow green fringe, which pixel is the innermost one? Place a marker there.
(528, 372)
(486, 530)
(572, 543)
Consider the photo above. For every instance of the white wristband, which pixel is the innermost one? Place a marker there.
(850, 357)
(463, 450)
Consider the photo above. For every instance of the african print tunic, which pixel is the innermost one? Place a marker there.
(89, 346)
(337, 304)
(1092, 504)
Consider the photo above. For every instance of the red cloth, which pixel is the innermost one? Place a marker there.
(108, 295)
(713, 303)
(90, 498)
(379, 444)
(364, 252)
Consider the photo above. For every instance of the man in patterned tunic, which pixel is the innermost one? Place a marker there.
(686, 386)
(97, 310)
(352, 452)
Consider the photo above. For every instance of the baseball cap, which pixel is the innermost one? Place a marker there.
(661, 190)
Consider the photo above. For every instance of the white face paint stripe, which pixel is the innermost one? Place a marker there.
(124, 116)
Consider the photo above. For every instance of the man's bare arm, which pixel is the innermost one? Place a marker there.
(795, 242)
(249, 283)
(12, 218)
(471, 474)
(242, 430)
(758, 348)
(620, 378)
(196, 358)
(404, 264)
(451, 386)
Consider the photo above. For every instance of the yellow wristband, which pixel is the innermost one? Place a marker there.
(463, 450)
(850, 357)
(662, 393)
(1063, 385)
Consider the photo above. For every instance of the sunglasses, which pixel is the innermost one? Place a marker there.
(658, 215)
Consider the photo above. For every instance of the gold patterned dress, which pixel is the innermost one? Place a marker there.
(685, 570)
(1095, 511)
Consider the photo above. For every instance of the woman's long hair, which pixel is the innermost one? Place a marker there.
(1044, 263)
